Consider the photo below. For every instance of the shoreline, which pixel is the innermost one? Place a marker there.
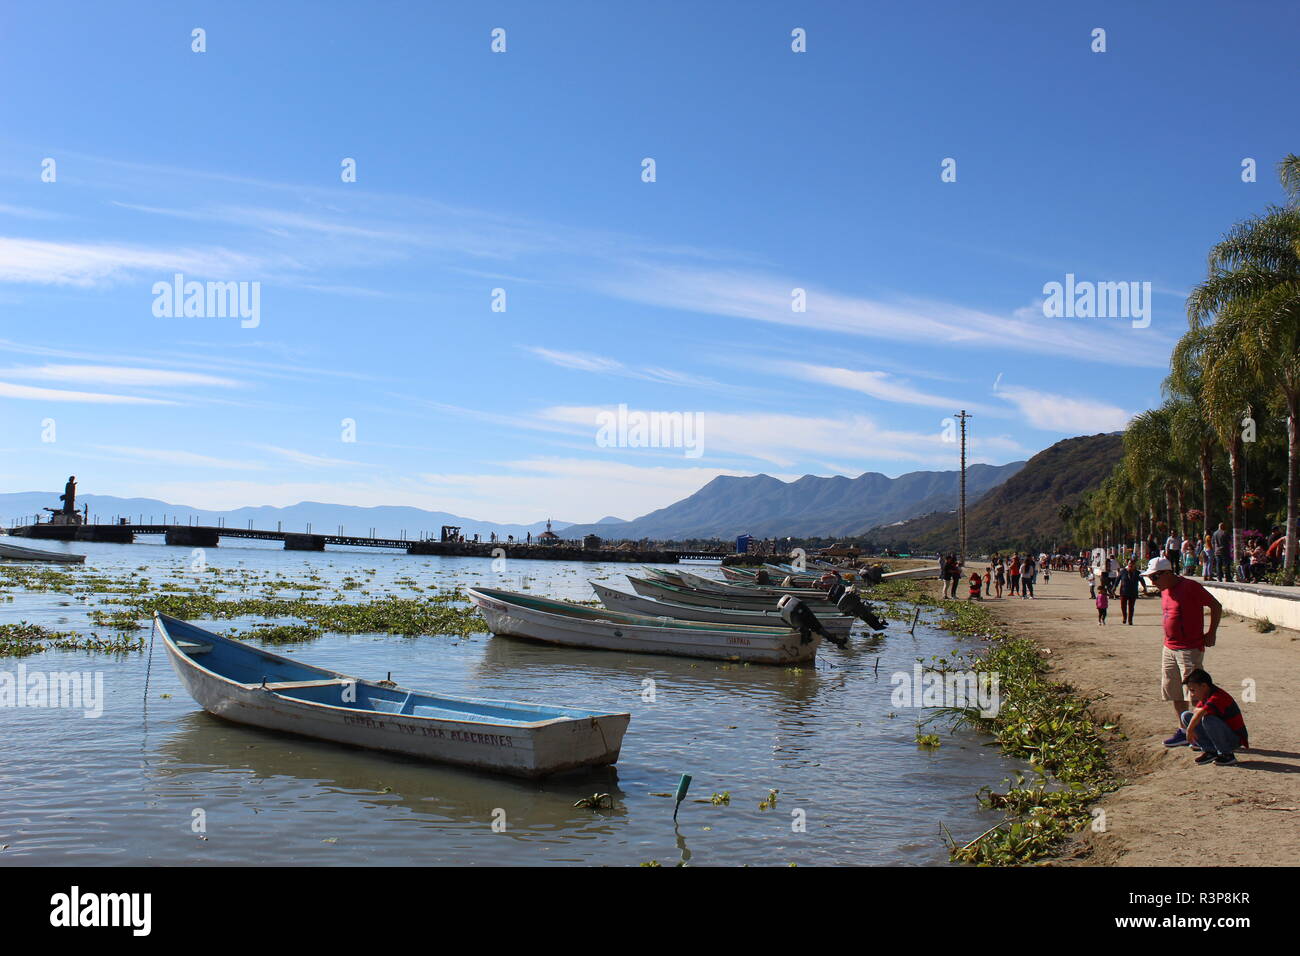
(1168, 811)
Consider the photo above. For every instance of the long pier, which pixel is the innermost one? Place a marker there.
(194, 536)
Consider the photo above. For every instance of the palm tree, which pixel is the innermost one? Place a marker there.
(1253, 293)
(1192, 431)
(1149, 459)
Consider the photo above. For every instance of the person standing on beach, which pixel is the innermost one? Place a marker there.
(1222, 541)
(1028, 574)
(1129, 580)
(1000, 577)
(1014, 574)
(1183, 601)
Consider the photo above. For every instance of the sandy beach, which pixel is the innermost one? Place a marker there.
(1171, 811)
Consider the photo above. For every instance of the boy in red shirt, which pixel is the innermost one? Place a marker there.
(1216, 726)
(1182, 599)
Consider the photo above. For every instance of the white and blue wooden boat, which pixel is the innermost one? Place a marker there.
(244, 684)
(577, 625)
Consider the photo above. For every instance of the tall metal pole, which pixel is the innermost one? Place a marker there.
(962, 513)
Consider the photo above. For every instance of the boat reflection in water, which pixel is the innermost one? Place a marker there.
(282, 772)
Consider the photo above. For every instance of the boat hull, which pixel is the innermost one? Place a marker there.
(756, 645)
(13, 552)
(533, 749)
(838, 624)
(697, 597)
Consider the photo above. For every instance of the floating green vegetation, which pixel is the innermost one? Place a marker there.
(1039, 720)
(279, 633)
(22, 639)
(770, 802)
(928, 741)
(387, 615)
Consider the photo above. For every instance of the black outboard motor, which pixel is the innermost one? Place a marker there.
(850, 602)
(800, 617)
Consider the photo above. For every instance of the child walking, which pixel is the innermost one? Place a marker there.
(1103, 602)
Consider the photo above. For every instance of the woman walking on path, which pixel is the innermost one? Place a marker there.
(1028, 572)
(1000, 577)
(1129, 579)
(1014, 574)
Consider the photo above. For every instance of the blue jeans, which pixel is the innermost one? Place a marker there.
(1213, 735)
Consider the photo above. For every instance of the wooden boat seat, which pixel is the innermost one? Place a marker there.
(193, 648)
(296, 684)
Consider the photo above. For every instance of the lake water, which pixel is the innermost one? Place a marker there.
(124, 789)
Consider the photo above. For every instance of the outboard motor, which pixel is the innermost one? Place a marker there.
(801, 618)
(850, 602)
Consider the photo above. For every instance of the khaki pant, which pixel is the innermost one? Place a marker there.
(1174, 666)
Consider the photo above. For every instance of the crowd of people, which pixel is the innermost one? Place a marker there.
(1209, 720)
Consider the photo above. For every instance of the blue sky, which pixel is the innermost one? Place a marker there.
(522, 171)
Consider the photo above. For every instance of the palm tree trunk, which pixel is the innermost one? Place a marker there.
(1234, 463)
(1292, 482)
(1182, 510)
(1207, 477)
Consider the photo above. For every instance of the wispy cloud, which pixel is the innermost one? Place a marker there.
(1061, 413)
(586, 362)
(184, 459)
(877, 384)
(37, 394)
(115, 375)
(308, 459)
(87, 264)
(785, 440)
(767, 298)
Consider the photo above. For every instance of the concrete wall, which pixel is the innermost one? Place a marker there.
(1260, 602)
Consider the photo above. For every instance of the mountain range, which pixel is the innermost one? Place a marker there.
(1024, 512)
(811, 506)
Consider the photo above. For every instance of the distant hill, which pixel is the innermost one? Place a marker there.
(811, 506)
(388, 521)
(1022, 512)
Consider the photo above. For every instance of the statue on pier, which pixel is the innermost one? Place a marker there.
(68, 513)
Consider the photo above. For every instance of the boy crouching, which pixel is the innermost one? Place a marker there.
(1215, 725)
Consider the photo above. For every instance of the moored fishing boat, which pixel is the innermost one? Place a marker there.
(244, 684)
(837, 624)
(836, 601)
(758, 600)
(13, 552)
(576, 625)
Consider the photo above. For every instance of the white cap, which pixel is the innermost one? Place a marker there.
(1156, 565)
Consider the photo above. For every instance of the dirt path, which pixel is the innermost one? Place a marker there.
(1172, 812)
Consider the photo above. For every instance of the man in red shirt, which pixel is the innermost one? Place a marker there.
(1182, 599)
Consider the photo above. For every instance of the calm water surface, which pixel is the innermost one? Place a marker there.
(123, 788)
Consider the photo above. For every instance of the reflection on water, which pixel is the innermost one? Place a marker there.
(112, 790)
